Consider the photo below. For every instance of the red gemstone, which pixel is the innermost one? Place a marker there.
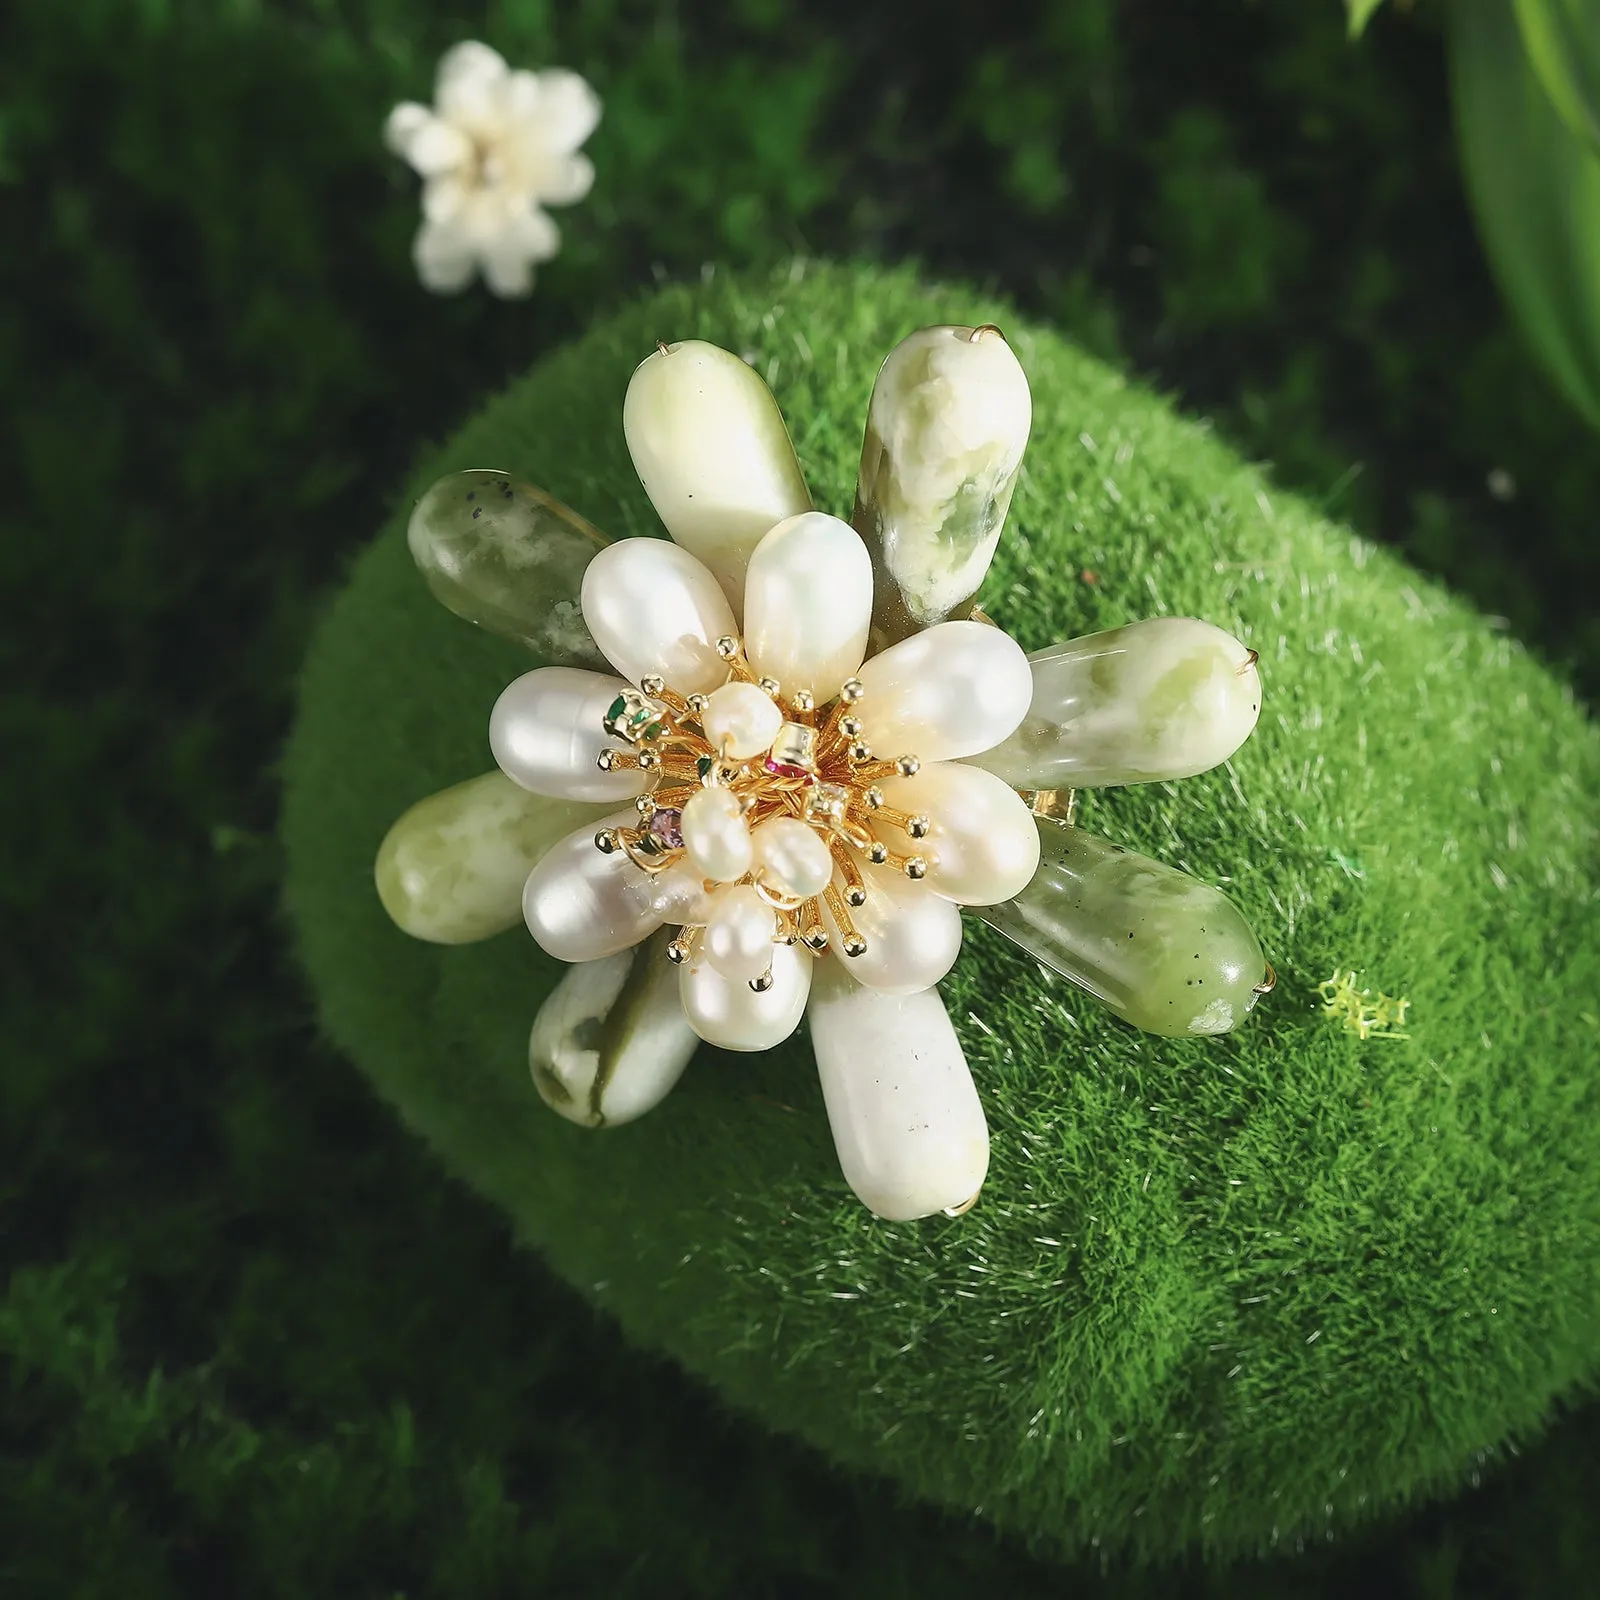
(784, 769)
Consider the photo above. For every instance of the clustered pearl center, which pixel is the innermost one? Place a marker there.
(770, 800)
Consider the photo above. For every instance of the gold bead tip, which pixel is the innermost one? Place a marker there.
(855, 895)
(917, 868)
(855, 945)
(815, 939)
(698, 702)
(763, 983)
(908, 766)
(652, 683)
(917, 827)
(804, 700)
(606, 841)
(770, 685)
(677, 952)
(727, 647)
(852, 690)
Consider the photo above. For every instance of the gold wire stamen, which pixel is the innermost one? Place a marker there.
(813, 934)
(850, 940)
(855, 888)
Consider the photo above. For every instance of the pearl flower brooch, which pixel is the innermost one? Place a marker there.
(773, 756)
(496, 148)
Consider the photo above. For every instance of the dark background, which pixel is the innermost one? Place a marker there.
(254, 1343)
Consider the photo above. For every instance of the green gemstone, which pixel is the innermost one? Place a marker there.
(1163, 950)
(702, 765)
(617, 710)
(511, 559)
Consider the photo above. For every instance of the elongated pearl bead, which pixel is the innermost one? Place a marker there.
(1166, 698)
(1164, 951)
(510, 558)
(946, 429)
(581, 904)
(611, 1039)
(653, 608)
(981, 845)
(906, 1118)
(946, 693)
(711, 450)
(451, 869)
(716, 835)
(728, 1013)
(546, 734)
(808, 604)
(913, 935)
(738, 938)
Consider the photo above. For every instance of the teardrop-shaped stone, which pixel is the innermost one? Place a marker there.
(711, 450)
(1163, 950)
(510, 558)
(451, 869)
(946, 429)
(611, 1040)
(1168, 698)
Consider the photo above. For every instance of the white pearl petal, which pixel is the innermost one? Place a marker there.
(653, 608)
(906, 1118)
(791, 857)
(731, 1015)
(950, 691)
(581, 904)
(611, 1039)
(982, 845)
(745, 716)
(716, 835)
(546, 734)
(808, 604)
(711, 450)
(738, 936)
(913, 935)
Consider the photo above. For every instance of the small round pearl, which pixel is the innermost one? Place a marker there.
(739, 936)
(746, 717)
(715, 835)
(792, 858)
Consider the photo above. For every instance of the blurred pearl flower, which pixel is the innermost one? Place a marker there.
(496, 147)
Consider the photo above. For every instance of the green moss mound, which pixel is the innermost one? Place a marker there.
(1223, 1294)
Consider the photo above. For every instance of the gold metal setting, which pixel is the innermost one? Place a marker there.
(820, 769)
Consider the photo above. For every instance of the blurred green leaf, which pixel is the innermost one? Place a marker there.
(1535, 188)
(1360, 14)
(1562, 37)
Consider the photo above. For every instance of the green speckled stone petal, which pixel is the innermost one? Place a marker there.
(511, 559)
(451, 869)
(1166, 952)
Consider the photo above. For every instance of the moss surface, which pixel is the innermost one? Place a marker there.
(1216, 1294)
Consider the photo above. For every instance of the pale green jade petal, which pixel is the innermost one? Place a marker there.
(1165, 951)
(1165, 698)
(451, 870)
(510, 558)
(611, 1040)
(946, 429)
(711, 450)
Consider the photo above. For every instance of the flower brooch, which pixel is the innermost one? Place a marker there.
(776, 753)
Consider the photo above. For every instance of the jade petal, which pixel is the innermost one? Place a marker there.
(1166, 698)
(510, 558)
(946, 429)
(612, 1039)
(709, 445)
(451, 870)
(1166, 952)
(906, 1119)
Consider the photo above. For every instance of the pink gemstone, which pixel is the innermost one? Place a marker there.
(667, 826)
(783, 769)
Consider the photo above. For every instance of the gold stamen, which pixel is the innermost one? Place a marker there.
(850, 941)
(813, 934)
(606, 841)
(855, 890)
(851, 690)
